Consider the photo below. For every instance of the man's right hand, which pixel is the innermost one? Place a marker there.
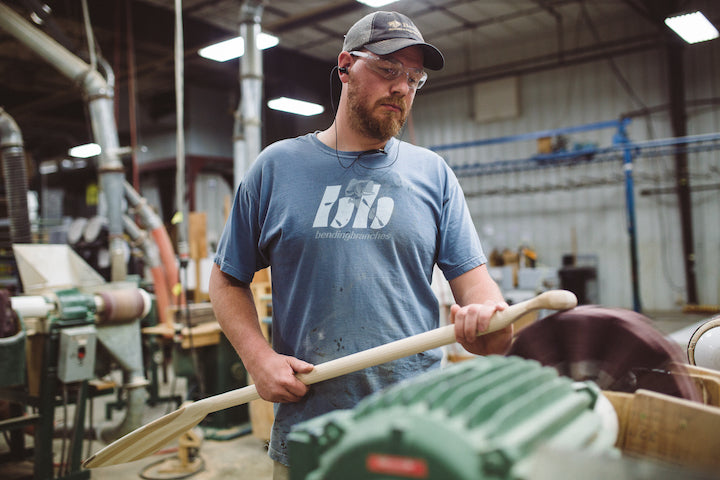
(275, 379)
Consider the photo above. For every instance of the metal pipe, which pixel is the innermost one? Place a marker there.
(99, 96)
(248, 121)
(168, 287)
(621, 139)
(180, 201)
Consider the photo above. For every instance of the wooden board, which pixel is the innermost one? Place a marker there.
(203, 334)
(262, 294)
(670, 429)
(707, 380)
(197, 242)
(621, 402)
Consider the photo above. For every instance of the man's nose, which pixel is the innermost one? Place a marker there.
(401, 85)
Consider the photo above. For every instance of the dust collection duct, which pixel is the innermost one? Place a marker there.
(15, 175)
(99, 94)
(247, 136)
(479, 419)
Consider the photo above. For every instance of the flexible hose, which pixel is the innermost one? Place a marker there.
(15, 175)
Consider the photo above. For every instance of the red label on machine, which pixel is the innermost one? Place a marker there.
(407, 467)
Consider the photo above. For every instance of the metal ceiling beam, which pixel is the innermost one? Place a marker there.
(311, 17)
(547, 62)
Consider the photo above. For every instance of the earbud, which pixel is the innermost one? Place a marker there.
(343, 70)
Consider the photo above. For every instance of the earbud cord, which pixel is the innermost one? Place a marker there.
(332, 104)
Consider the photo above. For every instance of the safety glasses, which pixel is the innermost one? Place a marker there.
(391, 69)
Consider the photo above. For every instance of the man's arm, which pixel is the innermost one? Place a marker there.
(273, 374)
(478, 297)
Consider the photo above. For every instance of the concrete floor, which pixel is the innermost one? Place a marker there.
(241, 458)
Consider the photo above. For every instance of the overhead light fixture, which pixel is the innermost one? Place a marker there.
(47, 167)
(692, 27)
(235, 47)
(298, 107)
(85, 151)
(377, 3)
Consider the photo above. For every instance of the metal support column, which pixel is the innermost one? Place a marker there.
(621, 138)
(678, 118)
(247, 137)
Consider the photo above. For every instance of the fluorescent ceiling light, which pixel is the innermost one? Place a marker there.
(235, 47)
(692, 27)
(47, 167)
(85, 151)
(377, 3)
(298, 107)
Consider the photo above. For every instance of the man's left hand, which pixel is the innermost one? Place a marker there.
(474, 319)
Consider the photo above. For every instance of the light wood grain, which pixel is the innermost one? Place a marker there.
(149, 438)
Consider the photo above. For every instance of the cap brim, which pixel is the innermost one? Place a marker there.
(433, 59)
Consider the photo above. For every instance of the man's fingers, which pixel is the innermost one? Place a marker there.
(294, 387)
(472, 320)
(300, 366)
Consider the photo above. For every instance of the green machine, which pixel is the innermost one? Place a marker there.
(479, 419)
(67, 350)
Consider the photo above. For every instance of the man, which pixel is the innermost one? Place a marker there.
(352, 221)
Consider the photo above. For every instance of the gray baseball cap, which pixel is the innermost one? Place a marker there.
(383, 33)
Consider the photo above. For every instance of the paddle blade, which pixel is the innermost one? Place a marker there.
(146, 440)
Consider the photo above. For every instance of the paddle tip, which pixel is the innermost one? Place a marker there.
(560, 299)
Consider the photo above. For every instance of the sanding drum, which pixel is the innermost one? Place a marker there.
(117, 306)
(618, 349)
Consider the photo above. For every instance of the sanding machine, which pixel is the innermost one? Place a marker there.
(55, 352)
(67, 327)
(478, 419)
(598, 385)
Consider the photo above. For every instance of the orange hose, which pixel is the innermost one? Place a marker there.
(167, 258)
(162, 296)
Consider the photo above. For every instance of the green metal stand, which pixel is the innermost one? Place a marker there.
(75, 309)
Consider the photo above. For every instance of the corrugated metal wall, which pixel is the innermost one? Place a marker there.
(584, 204)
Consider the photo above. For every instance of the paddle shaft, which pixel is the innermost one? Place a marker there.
(553, 299)
(149, 438)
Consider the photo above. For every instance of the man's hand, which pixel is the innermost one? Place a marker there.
(275, 379)
(473, 319)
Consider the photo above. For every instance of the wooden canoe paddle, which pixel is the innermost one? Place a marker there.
(149, 438)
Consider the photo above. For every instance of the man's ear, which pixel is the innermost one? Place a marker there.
(344, 63)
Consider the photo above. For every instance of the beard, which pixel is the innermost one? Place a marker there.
(380, 125)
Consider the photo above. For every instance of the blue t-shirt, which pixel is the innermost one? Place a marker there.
(351, 238)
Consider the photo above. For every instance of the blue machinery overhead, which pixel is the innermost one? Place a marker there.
(621, 146)
(622, 149)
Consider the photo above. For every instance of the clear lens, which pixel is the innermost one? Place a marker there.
(390, 69)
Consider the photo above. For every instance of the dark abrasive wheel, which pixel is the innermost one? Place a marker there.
(618, 349)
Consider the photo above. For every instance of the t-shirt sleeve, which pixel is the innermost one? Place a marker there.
(238, 254)
(459, 246)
